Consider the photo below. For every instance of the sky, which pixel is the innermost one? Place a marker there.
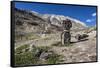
(86, 14)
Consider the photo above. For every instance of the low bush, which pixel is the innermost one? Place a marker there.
(32, 57)
(19, 49)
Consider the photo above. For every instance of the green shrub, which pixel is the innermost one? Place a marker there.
(28, 58)
(31, 58)
(94, 28)
(53, 59)
(19, 49)
(25, 59)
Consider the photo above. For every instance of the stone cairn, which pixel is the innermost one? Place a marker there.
(65, 35)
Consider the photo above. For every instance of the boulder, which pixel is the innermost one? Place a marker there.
(80, 37)
(45, 55)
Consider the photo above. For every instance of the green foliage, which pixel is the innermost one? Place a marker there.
(31, 36)
(25, 59)
(53, 59)
(31, 58)
(94, 28)
(19, 49)
(43, 48)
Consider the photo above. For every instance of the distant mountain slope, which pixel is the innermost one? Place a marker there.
(57, 20)
(31, 21)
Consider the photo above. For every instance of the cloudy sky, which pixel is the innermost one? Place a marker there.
(86, 14)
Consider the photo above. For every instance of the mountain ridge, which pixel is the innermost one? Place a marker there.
(32, 21)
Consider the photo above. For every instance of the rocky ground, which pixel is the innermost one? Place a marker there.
(77, 51)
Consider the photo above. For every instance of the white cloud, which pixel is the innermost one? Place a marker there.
(88, 20)
(92, 19)
(94, 14)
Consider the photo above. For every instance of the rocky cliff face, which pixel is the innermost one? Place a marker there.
(31, 21)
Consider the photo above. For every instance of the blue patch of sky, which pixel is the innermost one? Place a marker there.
(82, 13)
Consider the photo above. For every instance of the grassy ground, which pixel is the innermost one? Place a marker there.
(31, 58)
(27, 37)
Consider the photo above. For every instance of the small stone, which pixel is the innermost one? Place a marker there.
(44, 55)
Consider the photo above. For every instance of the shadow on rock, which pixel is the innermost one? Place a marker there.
(79, 41)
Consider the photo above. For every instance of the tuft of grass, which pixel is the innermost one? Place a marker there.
(68, 45)
(43, 48)
(29, 36)
(53, 59)
(57, 44)
(47, 38)
(19, 49)
(25, 59)
(94, 28)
